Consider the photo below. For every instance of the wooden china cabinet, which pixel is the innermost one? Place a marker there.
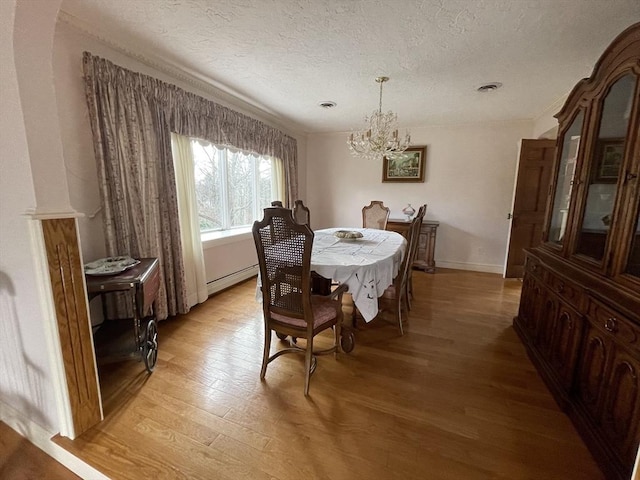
(579, 314)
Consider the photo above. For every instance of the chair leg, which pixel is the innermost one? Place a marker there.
(407, 302)
(399, 311)
(337, 333)
(267, 350)
(409, 290)
(307, 365)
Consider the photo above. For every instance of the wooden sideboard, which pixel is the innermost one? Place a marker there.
(584, 338)
(426, 244)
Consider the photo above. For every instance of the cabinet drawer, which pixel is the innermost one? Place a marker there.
(619, 327)
(566, 290)
(534, 267)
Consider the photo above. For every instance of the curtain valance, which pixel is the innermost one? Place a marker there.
(195, 116)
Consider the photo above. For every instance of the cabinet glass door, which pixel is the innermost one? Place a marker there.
(566, 170)
(606, 165)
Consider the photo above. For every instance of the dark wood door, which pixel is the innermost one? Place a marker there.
(621, 410)
(526, 311)
(530, 200)
(567, 330)
(531, 306)
(591, 372)
(546, 321)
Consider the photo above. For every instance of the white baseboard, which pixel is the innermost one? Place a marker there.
(41, 438)
(473, 267)
(230, 280)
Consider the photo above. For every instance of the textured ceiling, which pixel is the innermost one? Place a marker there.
(286, 56)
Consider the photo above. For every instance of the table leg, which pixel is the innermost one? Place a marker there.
(349, 311)
(347, 340)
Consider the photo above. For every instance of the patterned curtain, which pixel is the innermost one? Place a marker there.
(132, 144)
(132, 117)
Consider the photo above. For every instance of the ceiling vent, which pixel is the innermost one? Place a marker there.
(489, 87)
(327, 104)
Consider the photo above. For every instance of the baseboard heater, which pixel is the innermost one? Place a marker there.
(230, 280)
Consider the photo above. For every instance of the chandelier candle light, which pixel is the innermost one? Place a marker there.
(381, 139)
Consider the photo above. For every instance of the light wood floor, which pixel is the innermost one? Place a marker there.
(455, 398)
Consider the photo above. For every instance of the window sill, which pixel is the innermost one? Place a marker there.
(215, 239)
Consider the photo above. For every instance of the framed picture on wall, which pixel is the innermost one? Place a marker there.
(609, 152)
(407, 166)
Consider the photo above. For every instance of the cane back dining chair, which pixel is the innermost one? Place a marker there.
(395, 297)
(289, 309)
(301, 213)
(375, 215)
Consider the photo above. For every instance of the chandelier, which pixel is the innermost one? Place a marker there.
(381, 138)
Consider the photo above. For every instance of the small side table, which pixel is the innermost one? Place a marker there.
(140, 283)
(426, 241)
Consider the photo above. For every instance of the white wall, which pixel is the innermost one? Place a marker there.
(25, 370)
(80, 163)
(546, 124)
(468, 188)
(227, 257)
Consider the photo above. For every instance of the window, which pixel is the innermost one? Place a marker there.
(232, 186)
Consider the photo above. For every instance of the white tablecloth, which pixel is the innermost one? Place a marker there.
(367, 265)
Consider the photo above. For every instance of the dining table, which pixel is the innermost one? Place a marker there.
(367, 265)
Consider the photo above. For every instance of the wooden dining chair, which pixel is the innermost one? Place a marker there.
(301, 213)
(289, 309)
(421, 213)
(375, 215)
(394, 297)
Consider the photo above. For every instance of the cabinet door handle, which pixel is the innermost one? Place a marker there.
(560, 287)
(630, 176)
(611, 324)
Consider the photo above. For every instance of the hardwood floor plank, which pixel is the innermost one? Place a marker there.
(208, 424)
(456, 397)
(177, 416)
(117, 459)
(197, 460)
